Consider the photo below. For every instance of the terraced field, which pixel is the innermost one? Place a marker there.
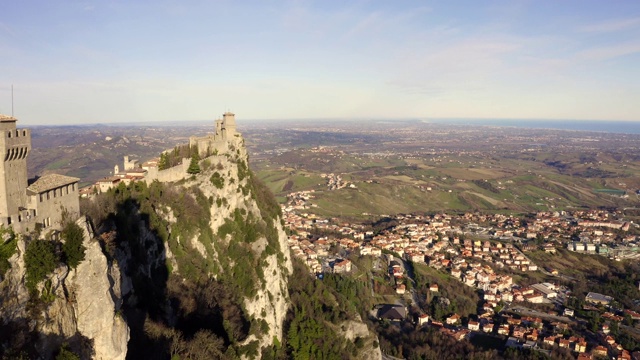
(392, 178)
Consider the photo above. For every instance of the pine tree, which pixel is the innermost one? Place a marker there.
(162, 164)
(194, 167)
(73, 249)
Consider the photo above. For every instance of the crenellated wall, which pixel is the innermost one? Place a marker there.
(171, 174)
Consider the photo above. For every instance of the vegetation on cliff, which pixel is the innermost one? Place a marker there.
(72, 248)
(40, 260)
(195, 296)
(8, 244)
(174, 157)
(318, 310)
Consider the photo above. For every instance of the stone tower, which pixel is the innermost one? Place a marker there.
(229, 121)
(15, 145)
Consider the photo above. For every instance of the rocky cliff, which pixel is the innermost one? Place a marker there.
(246, 223)
(206, 257)
(80, 306)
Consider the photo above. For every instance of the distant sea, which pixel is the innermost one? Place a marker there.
(620, 127)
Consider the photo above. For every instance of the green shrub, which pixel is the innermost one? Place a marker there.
(8, 245)
(40, 260)
(217, 180)
(72, 249)
(48, 295)
(243, 170)
(66, 354)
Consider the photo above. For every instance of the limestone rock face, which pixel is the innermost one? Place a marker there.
(13, 293)
(97, 315)
(357, 329)
(86, 301)
(271, 302)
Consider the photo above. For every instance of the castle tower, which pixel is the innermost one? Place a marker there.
(15, 145)
(218, 127)
(229, 123)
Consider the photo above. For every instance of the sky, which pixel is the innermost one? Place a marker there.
(81, 62)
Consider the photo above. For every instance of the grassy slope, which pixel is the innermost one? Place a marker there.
(524, 183)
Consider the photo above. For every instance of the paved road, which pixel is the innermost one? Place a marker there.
(521, 310)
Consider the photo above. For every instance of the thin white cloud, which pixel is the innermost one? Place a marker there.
(609, 52)
(366, 25)
(380, 22)
(7, 29)
(611, 26)
(466, 64)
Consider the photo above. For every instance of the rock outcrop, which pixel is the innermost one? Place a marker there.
(97, 298)
(271, 302)
(13, 293)
(91, 301)
(85, 302)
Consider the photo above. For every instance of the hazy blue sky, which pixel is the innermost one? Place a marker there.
(122, 61)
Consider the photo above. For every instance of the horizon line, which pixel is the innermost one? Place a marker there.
(182, 122)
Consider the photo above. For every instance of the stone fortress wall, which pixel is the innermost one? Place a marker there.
(218, 141)
(26, 204)
(171, 174)
(41, 202)
(209, 146)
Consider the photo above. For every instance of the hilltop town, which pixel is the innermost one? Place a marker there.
(40, 203)
(509, 260)
(173, 164)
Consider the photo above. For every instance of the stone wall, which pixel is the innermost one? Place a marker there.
(49, 205)
(175, 173)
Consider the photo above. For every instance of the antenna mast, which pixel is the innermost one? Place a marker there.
(11, 100)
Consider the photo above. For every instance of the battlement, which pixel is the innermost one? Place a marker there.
(7, 118)
(24, 206)
(224, 129)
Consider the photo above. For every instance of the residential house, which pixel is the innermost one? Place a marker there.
(453, 319)
(392, 312)
(473, 326)
(503, 329)
(488, 327)
(423, 319)
(343, 266)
